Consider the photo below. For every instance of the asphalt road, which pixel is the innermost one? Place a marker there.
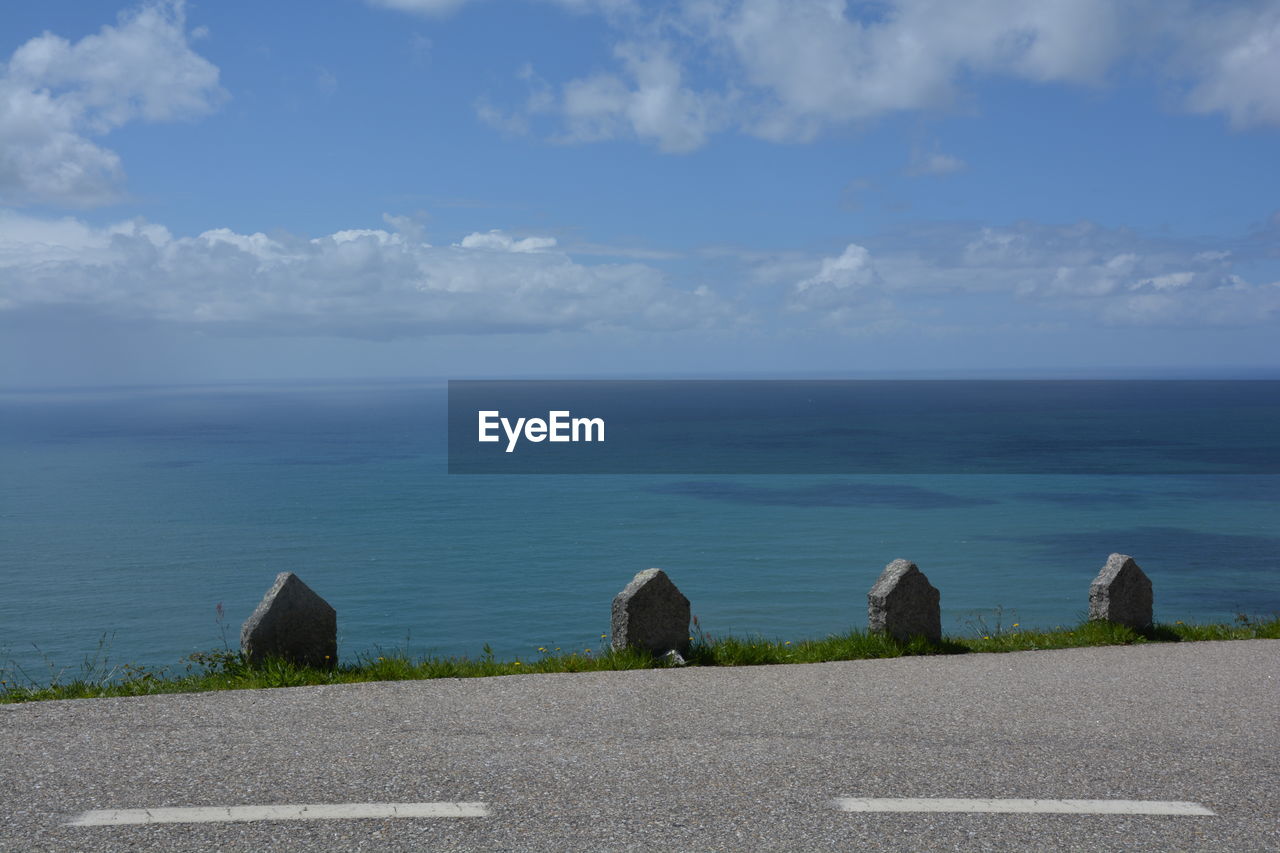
(684, 760)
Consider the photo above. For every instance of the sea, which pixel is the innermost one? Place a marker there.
(141, 525)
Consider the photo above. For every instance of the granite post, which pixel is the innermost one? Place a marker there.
(1121, 593)
(650, 613)
(903, 604)
(293, 623)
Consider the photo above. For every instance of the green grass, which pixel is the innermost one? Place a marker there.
(225, 670)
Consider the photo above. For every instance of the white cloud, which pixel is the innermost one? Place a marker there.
(44, 158)
(935, 163)
(1232, 57)
(786, 71)
(607, 7)
(511, 124)
(499, 241)
(516, 123)
(421, 7)
(848, 272)
(367, 283)
(54, 95)
(847, 292)
(651, 103)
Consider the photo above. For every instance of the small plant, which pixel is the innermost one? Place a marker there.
(978, 626)
(220, 619)
(700, 637)
(216, 662)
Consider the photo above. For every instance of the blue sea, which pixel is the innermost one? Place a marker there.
(140, 525)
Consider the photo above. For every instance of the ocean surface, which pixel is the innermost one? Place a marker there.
(130, 519)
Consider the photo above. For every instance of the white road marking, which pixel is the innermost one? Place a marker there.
(1002, 806)
(317, 811)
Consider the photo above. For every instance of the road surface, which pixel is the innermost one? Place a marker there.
(836, 756)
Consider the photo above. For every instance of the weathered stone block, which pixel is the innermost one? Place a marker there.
(293, 623)
(903, 604)
(650, 613)
(1121, 593)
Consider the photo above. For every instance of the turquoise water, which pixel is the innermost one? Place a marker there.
(133, 514)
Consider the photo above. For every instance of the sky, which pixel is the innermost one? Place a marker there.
(230, 191)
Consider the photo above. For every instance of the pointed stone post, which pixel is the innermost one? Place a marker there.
(293, 623)
(650, 613)
(903, 604)
(1121, 593)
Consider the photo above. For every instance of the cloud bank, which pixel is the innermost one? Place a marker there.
(1109, 276)
(363, 283)
(382, 284)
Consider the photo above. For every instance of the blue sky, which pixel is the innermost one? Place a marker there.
(388, 188)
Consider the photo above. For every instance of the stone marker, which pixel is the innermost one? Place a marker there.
(1121, 593)
(650, 613)
(293, 623)
(903, 604)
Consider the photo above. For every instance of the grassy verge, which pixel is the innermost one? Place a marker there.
(225, 670)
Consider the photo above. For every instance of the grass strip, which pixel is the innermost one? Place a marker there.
(227, 670)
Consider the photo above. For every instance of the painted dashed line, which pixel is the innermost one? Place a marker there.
(357, 811)
(315, 811)
(1015, 806)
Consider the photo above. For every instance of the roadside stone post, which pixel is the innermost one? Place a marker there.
(1121, 593)
(650, 613)
(293, 623)
(903, 604)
